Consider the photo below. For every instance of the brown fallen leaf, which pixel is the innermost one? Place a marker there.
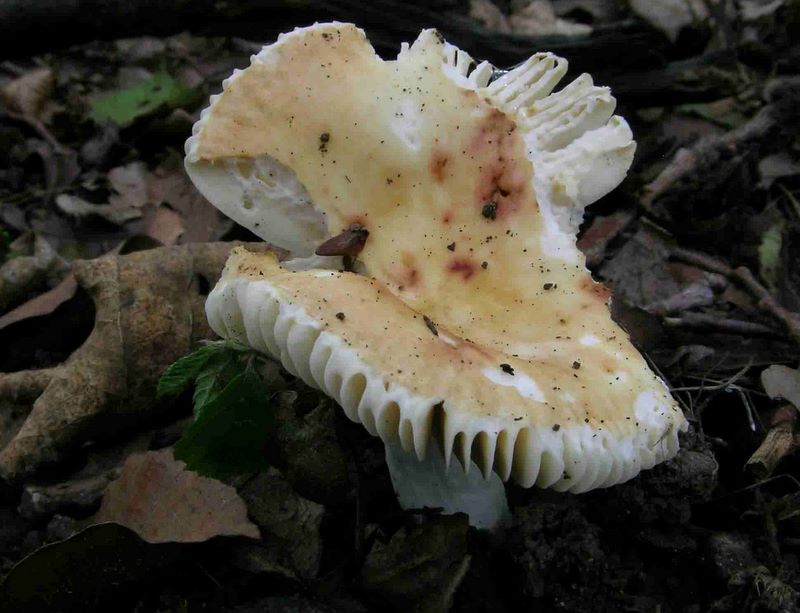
(163, 224)
(129, 184)
(201, 222)
(25, 273)
(420, 568)
(149, 312)
(156, 497)
(29, 93)
(43, 304)
(291, 526)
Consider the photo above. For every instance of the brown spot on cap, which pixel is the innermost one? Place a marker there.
(437, 165)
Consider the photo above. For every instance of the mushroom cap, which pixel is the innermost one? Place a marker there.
(476, 322)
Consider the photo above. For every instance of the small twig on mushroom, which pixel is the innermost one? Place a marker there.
(779, 442)
(743, 277)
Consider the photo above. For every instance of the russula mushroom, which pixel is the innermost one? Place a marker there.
(471, 327)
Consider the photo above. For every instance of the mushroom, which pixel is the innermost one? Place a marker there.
(470, 326)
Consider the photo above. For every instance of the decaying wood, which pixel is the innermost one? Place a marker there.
(779, 442)
(742, 276)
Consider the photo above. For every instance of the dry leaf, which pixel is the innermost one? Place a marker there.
(670, 16)
(420, 568)
(149, 312)
(156, 497)
(200, 220)
(488, 14)
(43, 304)
(130, 186)
(782, 382)
(163, 224)
(28, 95)
(23, 274)
(539, 19)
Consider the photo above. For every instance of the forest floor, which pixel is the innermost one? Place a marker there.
(107, 251)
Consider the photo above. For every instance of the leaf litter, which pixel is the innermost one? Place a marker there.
(700, 277)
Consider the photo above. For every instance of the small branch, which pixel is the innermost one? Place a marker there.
(38, 127)
(778, 443)
(765, 301)
(703, 321)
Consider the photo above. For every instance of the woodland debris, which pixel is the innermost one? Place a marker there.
(710, 151)
(707, 321)
(90, 571)
(778, 443)
(782, 382)
(420, 567)
(25, 273)
(537, 18)
(742, 276)
(43, 304)
(670, 16)
(290, 525)
(29, 93)
(156, 497)
(149, 312)
(77, 497)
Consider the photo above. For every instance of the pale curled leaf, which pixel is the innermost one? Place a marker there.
(782, 382)
(156, 497)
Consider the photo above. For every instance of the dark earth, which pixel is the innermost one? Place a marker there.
(106, 252)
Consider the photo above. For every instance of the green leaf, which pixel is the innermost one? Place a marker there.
(218, 371)
(181, 374)
(124, 106)
(229, 434)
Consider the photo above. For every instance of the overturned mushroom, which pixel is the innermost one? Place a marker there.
(475, 330)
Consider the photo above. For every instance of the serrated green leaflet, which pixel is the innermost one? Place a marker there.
(228, 436)
(181, 374)
(124, 106)
(217, 372)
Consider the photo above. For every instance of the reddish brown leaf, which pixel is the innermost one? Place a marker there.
(156, 497)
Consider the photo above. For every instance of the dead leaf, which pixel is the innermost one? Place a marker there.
(156, 497)
(29, 94)
(670, 16)
(777, 166)
(489, 15)
(149, 312)
(130, 186)
(201, 221)
(538, 18)
(43, 304)
(163, 224)
(600, 233)
(290, 524)
(35, 263)
(90, 571)
(421, 567)
(782, 382)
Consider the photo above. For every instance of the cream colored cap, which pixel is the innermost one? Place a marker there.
(476, 322)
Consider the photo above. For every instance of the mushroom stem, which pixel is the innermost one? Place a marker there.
(429, 483)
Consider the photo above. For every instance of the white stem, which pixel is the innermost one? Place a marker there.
(429, 483)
